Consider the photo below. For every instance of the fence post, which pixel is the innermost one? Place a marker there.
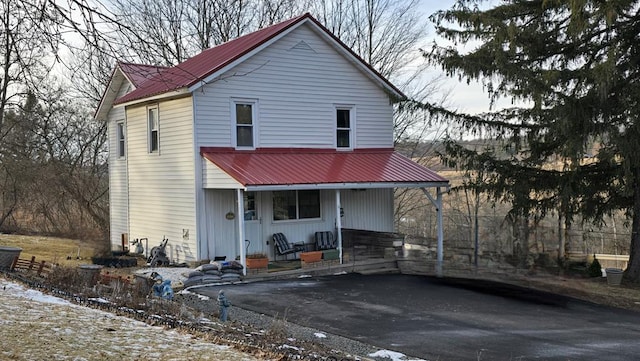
(40, 268)
(33, 261)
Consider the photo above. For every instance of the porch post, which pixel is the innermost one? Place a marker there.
(438, 204)
(240, 223)
(338, 224)
(440, 232)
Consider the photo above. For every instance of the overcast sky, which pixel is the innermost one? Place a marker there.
(467, 98)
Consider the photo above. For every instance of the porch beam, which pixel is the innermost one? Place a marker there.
(339, 224)
(437, 202)
(284, 187)
(240, 223)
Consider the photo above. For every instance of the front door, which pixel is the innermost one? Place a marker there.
(253, 224)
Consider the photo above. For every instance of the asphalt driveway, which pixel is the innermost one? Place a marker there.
(447, 319)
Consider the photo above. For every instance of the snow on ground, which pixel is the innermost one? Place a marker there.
(35, 326)
(395, 356)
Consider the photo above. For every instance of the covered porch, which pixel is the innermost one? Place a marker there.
(251, 195)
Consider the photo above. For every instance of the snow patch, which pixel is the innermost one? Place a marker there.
(395, 356)
(285, 346)
(33, 295)
(320, 335)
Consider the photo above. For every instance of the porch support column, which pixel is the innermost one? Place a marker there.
(240, 223)
(338, 224)
(437, 202)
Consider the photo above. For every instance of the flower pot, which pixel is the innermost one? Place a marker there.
(330, 254)
(8, 256)
(310, 257)
(614, 276)
(257, 263)
(89, 274)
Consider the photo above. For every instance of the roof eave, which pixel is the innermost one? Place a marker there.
(364, 185)
(102, 110)
(178, 93)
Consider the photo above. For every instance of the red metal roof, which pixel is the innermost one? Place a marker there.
(138, 74)
(272, 167)
(209, 61)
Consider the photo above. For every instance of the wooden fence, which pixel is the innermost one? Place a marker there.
(40, 268)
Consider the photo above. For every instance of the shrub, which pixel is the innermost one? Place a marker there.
(595, 269)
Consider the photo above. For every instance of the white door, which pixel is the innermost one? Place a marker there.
(253, 224)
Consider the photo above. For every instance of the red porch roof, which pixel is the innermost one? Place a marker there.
(284, 167)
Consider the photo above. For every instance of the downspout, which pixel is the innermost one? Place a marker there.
(437, 202)
(240, 223)
(338, 224)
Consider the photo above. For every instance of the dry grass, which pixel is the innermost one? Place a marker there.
(62, 251)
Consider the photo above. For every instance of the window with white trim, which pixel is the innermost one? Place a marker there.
(154, 129)
(244, 119)
(344, 127)
(120, 139)
(292, 205)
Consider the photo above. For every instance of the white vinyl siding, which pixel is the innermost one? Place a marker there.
(162, 188)
(370, 209)
(297, 90)
(214, 177)
(118, 189)
(222, 237)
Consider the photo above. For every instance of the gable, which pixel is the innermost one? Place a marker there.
(298, 80)
(125, 78)
(208, 65)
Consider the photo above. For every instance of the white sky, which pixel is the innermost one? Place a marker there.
(465, 98)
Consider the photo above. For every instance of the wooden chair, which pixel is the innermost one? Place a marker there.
(283, 247)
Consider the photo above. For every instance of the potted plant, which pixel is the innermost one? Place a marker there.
(257, 260)
(310, 257)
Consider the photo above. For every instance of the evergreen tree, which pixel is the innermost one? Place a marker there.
(572, 70)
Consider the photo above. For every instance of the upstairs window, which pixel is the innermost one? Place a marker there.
(244, 118)
(120, 139)
(291, 205)
(344, 128)
(154, 129)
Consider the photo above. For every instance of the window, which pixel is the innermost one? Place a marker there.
(120, 139)
(154, 136)
(289, 205)
(244, 117)
(250, 210)
(344, 124)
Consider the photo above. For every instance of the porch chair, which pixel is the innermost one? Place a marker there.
(325, 240)
(283, 247)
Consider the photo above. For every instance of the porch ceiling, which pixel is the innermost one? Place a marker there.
(274, 169)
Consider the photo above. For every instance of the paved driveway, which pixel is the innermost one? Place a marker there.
(447, 319)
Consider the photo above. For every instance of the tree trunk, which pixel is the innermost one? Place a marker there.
(633, 269)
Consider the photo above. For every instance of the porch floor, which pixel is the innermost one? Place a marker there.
(294, 268)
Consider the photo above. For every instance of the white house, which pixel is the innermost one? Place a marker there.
(281, 130)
